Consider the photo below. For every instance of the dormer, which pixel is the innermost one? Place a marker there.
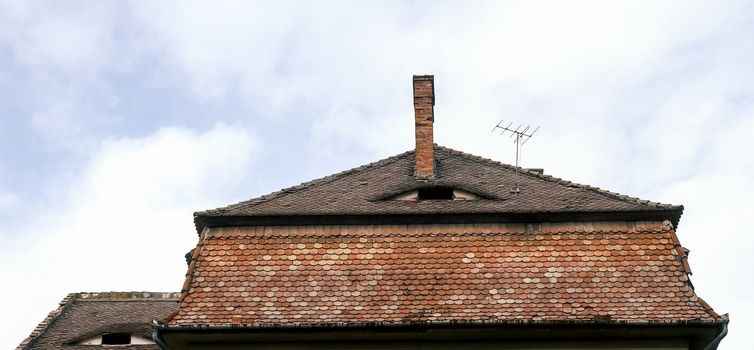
(120, 338)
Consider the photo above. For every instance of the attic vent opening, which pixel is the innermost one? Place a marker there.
(441, 193)
(116, 339)
(435, 193)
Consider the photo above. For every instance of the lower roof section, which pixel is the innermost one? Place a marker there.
(615, 272)
(81, 316)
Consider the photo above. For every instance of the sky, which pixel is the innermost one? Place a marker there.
(119, 119)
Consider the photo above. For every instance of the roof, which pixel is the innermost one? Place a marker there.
(84, 315)
(367, 190)
(263, 276)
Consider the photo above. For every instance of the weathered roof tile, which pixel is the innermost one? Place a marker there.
(83, 315)
(366, 191)
(439, 273)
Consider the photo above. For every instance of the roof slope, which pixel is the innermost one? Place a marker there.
(84, 315)
(393, 274)
(363, 191)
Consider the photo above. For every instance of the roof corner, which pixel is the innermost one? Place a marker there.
(47, 321)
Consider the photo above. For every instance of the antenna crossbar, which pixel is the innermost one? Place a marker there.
(520, 136)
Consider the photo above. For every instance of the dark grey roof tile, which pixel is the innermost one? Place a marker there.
(362, 191)
(84, 315)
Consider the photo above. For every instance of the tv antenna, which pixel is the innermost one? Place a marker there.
(520, 136)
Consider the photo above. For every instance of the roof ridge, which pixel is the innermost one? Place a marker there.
(47, 321)
(597, 190)
(124, 296)
(304, 185)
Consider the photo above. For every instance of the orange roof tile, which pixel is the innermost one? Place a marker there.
(620, 271)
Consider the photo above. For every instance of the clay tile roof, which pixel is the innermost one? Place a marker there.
(366, 191)
(481, 273)
(84, 315)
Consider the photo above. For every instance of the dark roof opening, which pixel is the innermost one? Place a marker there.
(435, 193)
(116, 339)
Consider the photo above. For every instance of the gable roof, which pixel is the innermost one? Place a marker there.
(84, 315)
(621, 272)
(366, 190)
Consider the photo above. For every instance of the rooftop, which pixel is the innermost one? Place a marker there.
(371, 190)
(83, 316)
(632, 272)
(433, 236)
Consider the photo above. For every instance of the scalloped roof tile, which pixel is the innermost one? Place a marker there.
(394, 274)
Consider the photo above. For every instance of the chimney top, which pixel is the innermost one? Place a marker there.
(424, 116)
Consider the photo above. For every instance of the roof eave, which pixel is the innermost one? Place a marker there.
(452, 324)
(700, 334)
(205, 221)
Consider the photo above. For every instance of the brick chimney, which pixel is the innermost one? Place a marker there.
(424, 114)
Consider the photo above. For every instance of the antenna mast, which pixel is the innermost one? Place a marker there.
(520, 135)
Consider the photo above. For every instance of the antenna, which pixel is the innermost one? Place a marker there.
(520, 135)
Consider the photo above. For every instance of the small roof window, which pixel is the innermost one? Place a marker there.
(436, 193)
(116, 339)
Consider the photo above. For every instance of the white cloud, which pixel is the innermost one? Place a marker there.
(7, 200)
(67, 122)
(70, 38)
(220, 46)
(646, 98)
(717, 203)
(571, 67)
(64, 51)
(125, 222)
(632, 96)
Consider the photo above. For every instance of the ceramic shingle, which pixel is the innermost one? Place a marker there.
(84, 315)
(368, 190)
(437, 239)
(576, 264)
(493, 273)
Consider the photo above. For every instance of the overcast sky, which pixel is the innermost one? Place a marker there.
(119, 119)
